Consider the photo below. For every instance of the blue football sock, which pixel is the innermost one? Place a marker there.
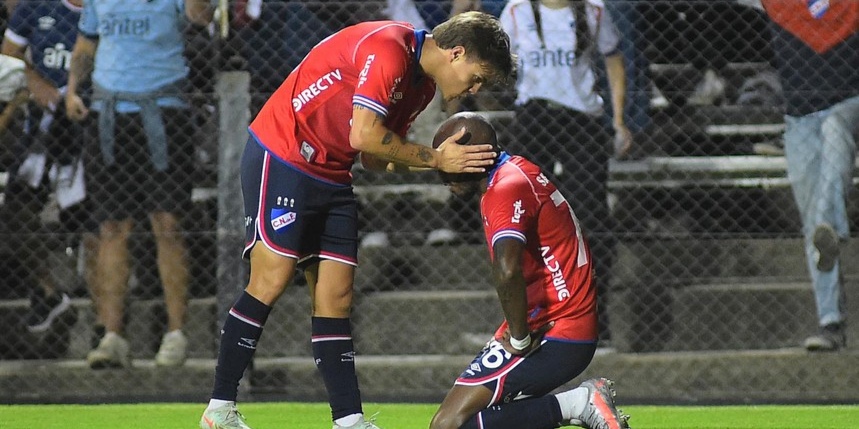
(536, 413)
(335, 357)
(239, 338)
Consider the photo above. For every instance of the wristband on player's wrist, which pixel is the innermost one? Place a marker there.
(520, 344)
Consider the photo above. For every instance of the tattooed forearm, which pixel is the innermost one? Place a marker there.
(393, 151)
(424, 154)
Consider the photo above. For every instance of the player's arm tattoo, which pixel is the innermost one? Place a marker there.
(393, 149)
(424, 154)
(388, 138)
(394, 143)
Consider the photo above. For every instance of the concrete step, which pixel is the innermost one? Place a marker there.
(383, 323)
(460, 267)
(144, 329)
(742, 316)
(730, 377)
(695, 317)
(696, 260)
(430, 322)
(683, 294)
(735, 316)
(682, 260)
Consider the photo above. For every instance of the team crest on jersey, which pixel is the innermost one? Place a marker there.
(395, 95)
(281, 218)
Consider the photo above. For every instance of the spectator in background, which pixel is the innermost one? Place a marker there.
(549, 333)
(273, 38)
(356, 93)
(706, 35)
(6, 9)
(48, 30)
(559, 115)
(817, 51)
(338, 15)
(631, 25)
(143, 163)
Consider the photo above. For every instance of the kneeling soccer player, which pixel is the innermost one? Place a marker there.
(543, 274)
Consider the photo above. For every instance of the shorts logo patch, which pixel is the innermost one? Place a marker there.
(281, 218)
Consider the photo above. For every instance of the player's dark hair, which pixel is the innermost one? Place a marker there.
(478, 130)
(482, 36)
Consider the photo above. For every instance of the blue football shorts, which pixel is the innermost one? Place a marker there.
(294, 214)
(511, 377)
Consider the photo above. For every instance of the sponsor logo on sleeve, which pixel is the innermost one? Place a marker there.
(518, 211)
(362, 77)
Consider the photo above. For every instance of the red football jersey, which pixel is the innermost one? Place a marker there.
(520, 203)
(821, 24)
(373, 64)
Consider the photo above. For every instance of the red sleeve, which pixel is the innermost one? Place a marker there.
(382, 57)
(510, 208)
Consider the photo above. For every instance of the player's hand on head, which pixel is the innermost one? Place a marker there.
(457, 158)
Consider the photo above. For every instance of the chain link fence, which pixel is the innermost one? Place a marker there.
(701, 245)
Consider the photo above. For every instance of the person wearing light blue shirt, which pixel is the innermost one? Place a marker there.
(143, 156)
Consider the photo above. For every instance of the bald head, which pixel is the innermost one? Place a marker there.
(477, 131)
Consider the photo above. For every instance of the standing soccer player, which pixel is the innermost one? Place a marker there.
(543, 273)
(357, 92)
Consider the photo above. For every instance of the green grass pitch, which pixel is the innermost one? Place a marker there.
(280, 415)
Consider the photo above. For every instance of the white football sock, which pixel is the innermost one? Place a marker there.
(350, 420)
(215, 403)
(573, 402)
